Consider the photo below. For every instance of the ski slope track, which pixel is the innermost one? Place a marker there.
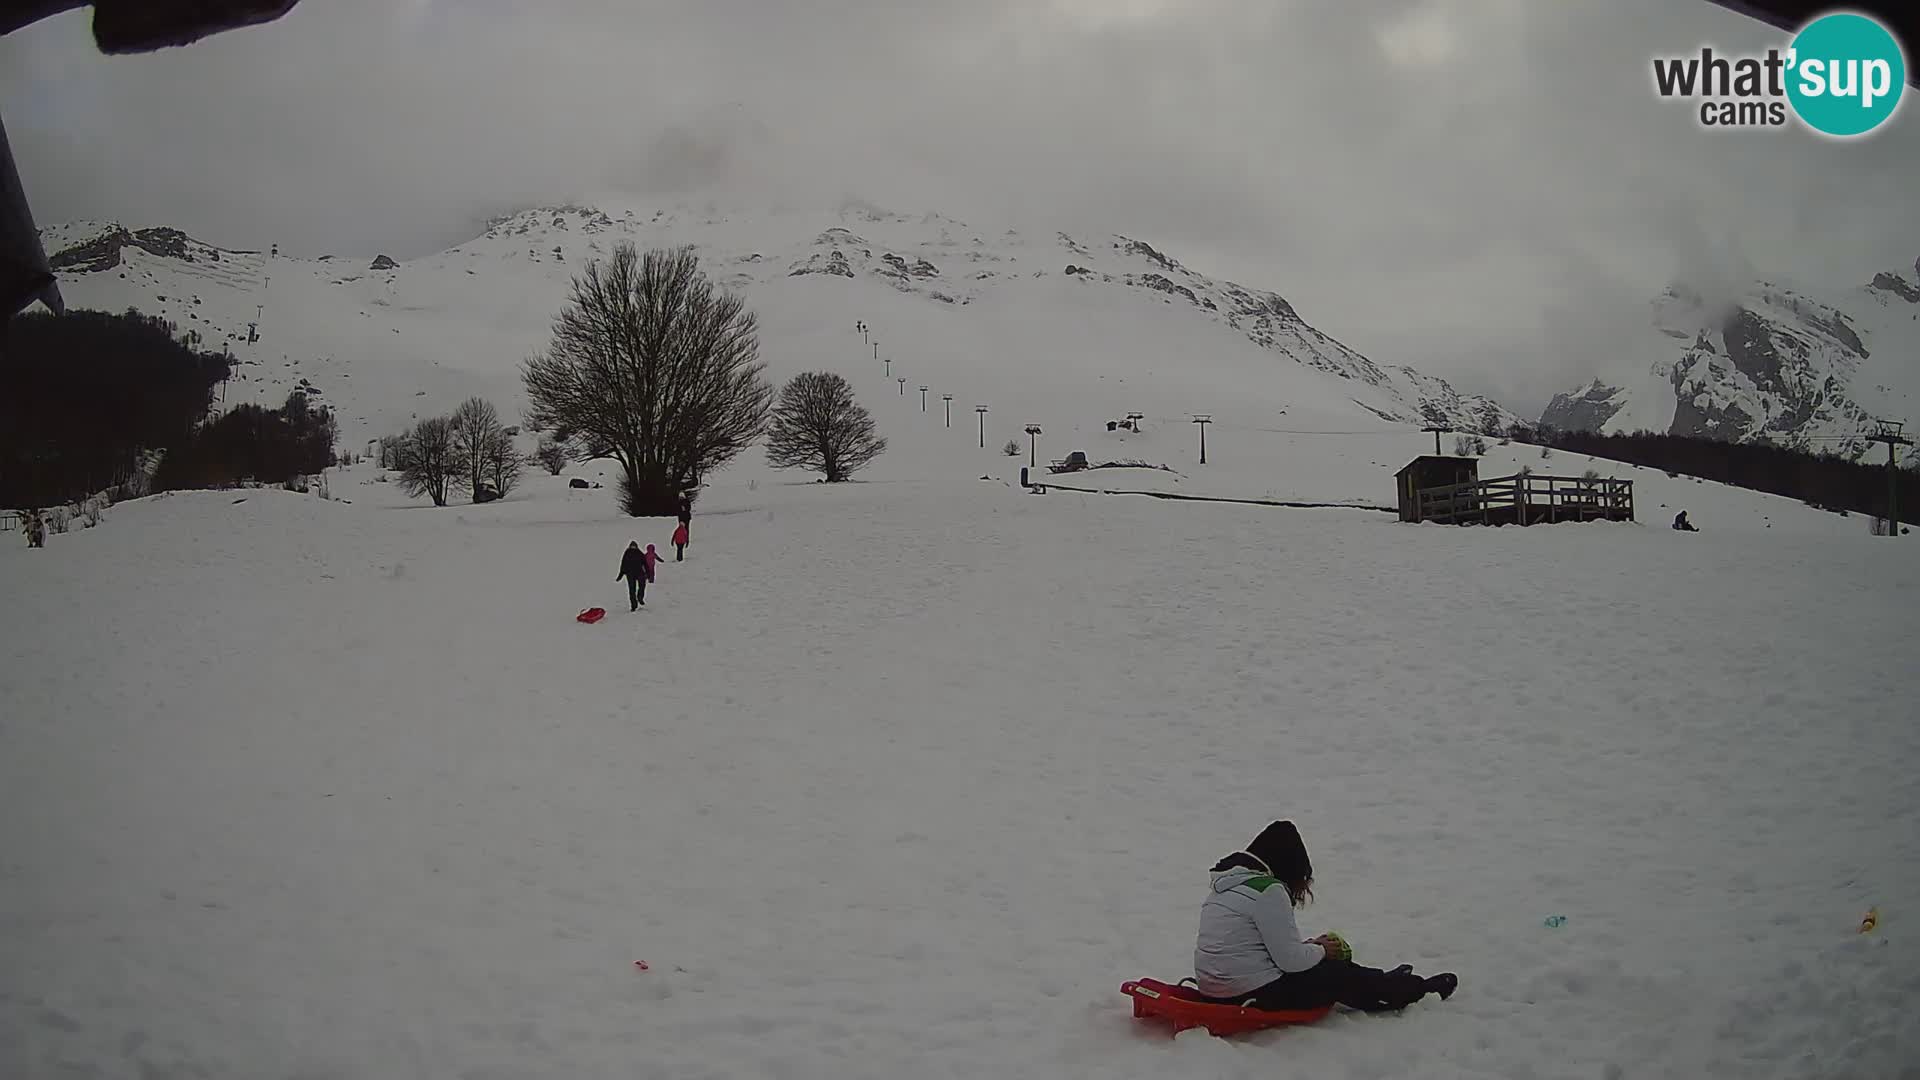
(904, 776)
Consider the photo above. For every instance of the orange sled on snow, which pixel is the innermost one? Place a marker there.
(1184, 1007)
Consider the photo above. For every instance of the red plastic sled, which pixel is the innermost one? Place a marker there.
(1184, 1007)
(592, 615)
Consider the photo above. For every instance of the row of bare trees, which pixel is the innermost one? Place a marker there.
(651, 366)
(468, 450)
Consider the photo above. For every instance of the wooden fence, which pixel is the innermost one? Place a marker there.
(1527, 499)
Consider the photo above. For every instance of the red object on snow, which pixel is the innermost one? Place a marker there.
(592, 615)
(1184, 1008)
(641, 964)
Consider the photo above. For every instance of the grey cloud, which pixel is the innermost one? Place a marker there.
(1476, 187)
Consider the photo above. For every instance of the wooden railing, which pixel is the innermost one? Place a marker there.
(1527, 498)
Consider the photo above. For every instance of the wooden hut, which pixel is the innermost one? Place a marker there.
(1431, 471)
(1449, 491)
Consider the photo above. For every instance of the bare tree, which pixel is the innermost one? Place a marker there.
(392, 451)
(429, 461)
(818, 426)
(503, 463)
(652, 367)
(552, 455)
(476, 427)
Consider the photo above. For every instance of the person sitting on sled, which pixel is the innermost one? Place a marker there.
(1250, 952)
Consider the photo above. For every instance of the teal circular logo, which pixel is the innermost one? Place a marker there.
(1845, 75)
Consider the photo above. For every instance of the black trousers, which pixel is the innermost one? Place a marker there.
(679, 552)
(1342, 981)
(636, 591)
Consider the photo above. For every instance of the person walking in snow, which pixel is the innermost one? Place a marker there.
(637, 569)
(680, 543)
(1250, 952)
(686, 513)
(36, 530)
(652, 558)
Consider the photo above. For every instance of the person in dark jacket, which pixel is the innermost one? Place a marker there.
(1680, 522)
(1250, 952)
(686, 513)
(633, 567)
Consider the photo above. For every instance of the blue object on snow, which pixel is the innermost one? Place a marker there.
(1556, 921)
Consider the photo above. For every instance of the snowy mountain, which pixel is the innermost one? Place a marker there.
(381, 339)
(1777, 362)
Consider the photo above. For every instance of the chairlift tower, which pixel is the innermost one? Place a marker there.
(1889, 432)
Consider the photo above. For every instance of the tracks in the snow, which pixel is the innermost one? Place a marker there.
(1219, 498)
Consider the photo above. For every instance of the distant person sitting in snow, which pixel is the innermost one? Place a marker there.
(680, 543)
(1250, 952)
(1680, 522)
(634, 567)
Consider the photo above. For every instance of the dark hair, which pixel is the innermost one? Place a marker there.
(1280, 847)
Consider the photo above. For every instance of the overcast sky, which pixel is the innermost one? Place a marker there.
(1485, 189)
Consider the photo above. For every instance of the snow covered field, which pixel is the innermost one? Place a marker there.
(903, 778)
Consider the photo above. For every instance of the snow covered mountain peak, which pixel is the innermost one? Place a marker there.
(459, 320)
(1893, 287)
(1781, 362)
(93, 246)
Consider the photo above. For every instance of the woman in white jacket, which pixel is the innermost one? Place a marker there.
(1250, 952)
